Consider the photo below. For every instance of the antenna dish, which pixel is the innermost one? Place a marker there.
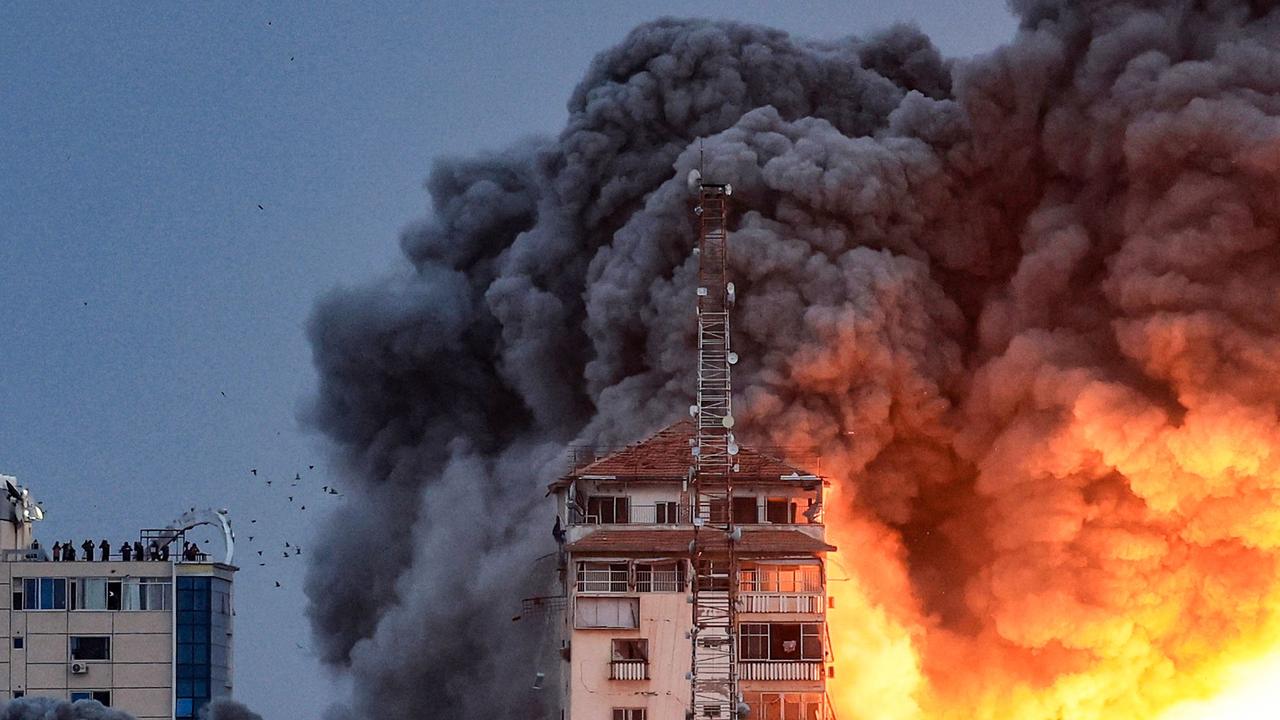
(694, 180)
(733, 358)
(693, 411)
(727, 421)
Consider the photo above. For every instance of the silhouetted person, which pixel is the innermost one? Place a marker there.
(68, 551)
(87, 547)
(35, 544)
(137, 551)
(126, 551)
(153, 551)
(557, 532)
(164, 552)
(104, 549)
(57, 550)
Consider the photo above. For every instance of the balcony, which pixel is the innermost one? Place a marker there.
(625, 513)
(780, 670)
(629, 670)
(780, 602)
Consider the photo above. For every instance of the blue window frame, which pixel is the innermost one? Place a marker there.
(194, 627)
(44, 594)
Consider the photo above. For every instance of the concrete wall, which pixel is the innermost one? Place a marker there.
(664, 620)
(139, 673)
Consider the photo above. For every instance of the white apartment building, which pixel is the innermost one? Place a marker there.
(626, 564)
(152, 637)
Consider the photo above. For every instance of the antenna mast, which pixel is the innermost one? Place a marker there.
(714, 673)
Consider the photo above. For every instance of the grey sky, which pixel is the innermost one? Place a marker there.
(139, 280)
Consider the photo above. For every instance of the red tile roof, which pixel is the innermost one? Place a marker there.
(753, 542)
(667, 456)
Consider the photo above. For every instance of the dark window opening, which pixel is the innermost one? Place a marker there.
(102, 696)
(780, 641)
(744, 511)
(666, 513)
(630, 649)
(90, 648)
(779, 511)
(17, 643)
(608, 510)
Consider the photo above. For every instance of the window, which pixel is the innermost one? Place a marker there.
(145, 594)
(102, 696)
(628, 714)
(18, 642)
(713, 575)
(779, 511)
(608, 509)
(784, 706)
(660, 577)
(596, 612)
(666, 513)
(780, 641)
(630, 649)
(43, 594)
(781, 578)
(90, 647)
(602, 577)
(744, 511)
(19, 693)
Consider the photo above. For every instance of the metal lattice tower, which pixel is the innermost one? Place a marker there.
(714, 675)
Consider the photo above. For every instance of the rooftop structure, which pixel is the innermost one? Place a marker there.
(693, 566)
(145, 627)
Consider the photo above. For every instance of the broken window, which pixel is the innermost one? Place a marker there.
(780, 511)
(625, 649)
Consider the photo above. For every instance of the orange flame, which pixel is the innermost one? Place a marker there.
(1158, 598)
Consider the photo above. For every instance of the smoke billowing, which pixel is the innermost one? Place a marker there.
(43, 708)
(1024, 303)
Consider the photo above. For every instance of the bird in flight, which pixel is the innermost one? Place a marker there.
(254, 471)
(261, 208)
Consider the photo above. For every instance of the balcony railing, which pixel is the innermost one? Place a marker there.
(779, 670)
(776, 602)
(659, 581)
(665, 513)
(629, 670)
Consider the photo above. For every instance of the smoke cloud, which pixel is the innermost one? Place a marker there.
(1024, 303)
(43, 708)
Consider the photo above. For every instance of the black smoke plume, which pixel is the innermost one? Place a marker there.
(1020, 301)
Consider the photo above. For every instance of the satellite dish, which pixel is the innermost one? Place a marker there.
(727, 421)
(694, 180)
(693, 411)
(733, 448)
(733, 358)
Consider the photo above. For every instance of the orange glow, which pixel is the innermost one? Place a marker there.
(1136, 578)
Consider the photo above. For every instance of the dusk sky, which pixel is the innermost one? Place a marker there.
(180, 184)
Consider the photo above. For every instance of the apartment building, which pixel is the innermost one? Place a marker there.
(628, 531)
(150, 635)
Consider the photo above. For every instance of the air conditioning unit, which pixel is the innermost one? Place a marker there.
(79, 668)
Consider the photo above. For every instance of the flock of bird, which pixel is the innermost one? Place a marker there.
(298, 493)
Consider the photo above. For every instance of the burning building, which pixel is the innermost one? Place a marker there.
(1023, 303)
(692, 566)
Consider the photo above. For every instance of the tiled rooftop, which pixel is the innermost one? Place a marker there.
(753, 542)
(667, 456)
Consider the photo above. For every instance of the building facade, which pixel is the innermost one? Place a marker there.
(627, 567)
(151, 637)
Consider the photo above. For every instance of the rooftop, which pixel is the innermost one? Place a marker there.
(666, 456)
(753, 542)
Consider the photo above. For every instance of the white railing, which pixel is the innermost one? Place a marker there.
(666, 513)
(774, 670)
(659, 581)
(601, 580)
(629, 670)
(779, 603)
